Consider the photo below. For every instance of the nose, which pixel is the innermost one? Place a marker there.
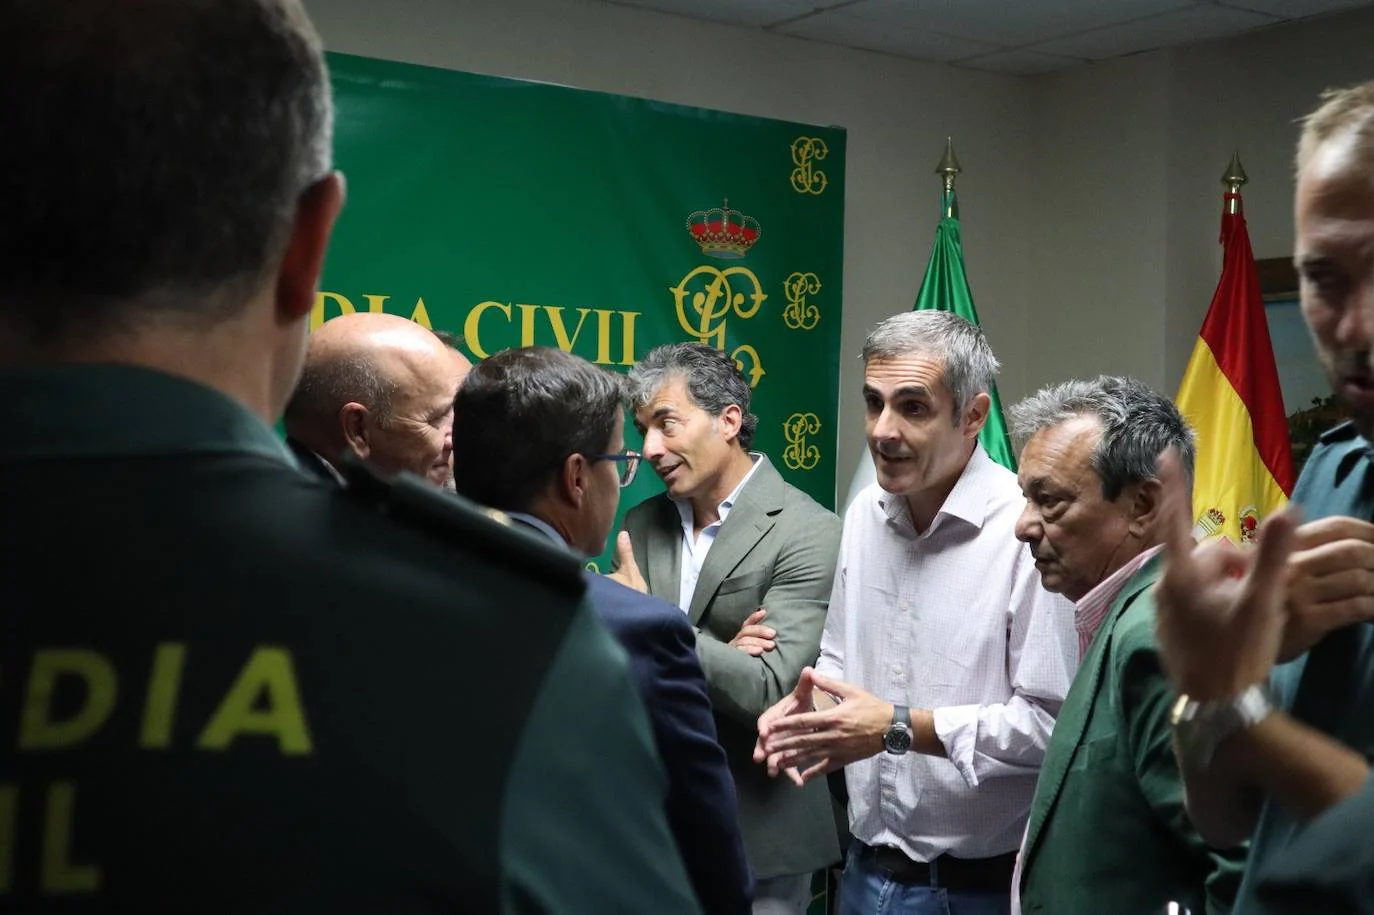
(653, 449)
(1352, 330)
(884, 426)
(1028, 529)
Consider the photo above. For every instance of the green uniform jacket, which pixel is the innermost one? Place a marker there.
(229, 687)
(1108, 834)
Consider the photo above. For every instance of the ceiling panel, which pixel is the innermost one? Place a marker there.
(1010, 22)
(1294, 9)
(1179, 27)
(754, 13)
(1020, 62)
(905, 41)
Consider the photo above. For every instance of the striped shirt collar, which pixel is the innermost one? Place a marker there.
(1091, 610)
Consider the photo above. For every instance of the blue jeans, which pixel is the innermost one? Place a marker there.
(865, 890)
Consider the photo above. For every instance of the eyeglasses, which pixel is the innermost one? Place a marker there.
(628, 461)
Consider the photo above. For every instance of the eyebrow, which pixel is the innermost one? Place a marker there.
(906, 390)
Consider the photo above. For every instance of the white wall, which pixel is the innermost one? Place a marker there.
(1090, 199)
(897, 114)
(1145, 141)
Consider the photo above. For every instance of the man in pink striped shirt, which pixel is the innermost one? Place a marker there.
(1108, 831)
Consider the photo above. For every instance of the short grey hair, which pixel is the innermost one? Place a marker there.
(154, 157)
(713, 381)
(968, 367)
(1138, 425)
(327, 384)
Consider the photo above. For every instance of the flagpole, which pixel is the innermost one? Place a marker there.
(1234, 178)
(948, 169)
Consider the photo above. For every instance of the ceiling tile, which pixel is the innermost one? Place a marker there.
(1019, 62)
(1183, 26)
(751, 13)
(904, 41)
(1295, 9)
(1009, 22)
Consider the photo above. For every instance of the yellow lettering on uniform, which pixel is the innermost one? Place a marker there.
(375, 302)
(269, 676)
(527, 313)
(9, 809)
(472, 326)
(560, 330)
(37, 730)
(629, 339)
(59, 873)
(603, 336)
(420, 315)
(164, 682)
(317, 313)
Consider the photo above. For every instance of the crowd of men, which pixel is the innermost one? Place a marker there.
(365, 669)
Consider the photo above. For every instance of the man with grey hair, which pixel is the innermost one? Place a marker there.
(277, 713)
(381, 387)
(750, 560)
(1108, 831)
(944, 662)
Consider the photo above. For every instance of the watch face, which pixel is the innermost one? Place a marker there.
(898, 740)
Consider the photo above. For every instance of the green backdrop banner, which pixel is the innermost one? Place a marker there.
(518, 213)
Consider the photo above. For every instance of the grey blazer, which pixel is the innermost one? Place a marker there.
(777, 550)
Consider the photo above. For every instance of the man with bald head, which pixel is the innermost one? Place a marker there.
(382, 387)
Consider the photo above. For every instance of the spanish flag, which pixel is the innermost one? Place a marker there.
(1230, 393)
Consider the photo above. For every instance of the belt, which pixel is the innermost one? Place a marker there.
(946, 871)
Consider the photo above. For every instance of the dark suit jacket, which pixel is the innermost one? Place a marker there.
(1108, 830)
(777, 549)
(702, 809)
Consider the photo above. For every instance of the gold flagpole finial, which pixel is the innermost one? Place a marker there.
(1233, 178)
(948, 169)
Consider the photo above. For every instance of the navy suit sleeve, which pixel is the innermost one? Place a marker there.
(703, 811)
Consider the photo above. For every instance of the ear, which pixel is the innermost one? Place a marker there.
(298, 276)
(353, 424)
(730, 421)
(1144, 506)
(976, 414)
(573, 480)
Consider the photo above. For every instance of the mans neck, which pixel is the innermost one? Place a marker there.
(926, 504)
(561, 521)
(228, 358)
(706, 507)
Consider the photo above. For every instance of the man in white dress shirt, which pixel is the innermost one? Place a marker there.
(943, 661)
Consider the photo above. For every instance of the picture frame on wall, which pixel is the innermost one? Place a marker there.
(1307, 399)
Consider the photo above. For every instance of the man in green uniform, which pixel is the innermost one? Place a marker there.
(226, 686)
(1282, 750)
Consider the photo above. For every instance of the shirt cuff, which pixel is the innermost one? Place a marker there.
(957, 728)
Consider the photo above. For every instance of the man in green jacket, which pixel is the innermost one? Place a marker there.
(229, 686)
(1108, 831)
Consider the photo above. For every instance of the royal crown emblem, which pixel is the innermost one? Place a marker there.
(1210, 524)
(723, 232)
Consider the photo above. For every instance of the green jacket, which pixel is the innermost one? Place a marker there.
(1108, 832)
(230, 687)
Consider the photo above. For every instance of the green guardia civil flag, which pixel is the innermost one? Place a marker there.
(945, 288)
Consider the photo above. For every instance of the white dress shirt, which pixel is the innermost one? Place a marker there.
(952, 619)
(694, 549)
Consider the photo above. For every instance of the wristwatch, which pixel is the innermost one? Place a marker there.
(1200, 727)
(897, 740)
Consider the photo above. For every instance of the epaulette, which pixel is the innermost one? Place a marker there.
(1342, 433)
(449, 517)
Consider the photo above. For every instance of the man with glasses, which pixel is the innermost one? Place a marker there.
(539, 433)
(750, 559)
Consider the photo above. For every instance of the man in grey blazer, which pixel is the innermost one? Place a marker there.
(750, 559)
